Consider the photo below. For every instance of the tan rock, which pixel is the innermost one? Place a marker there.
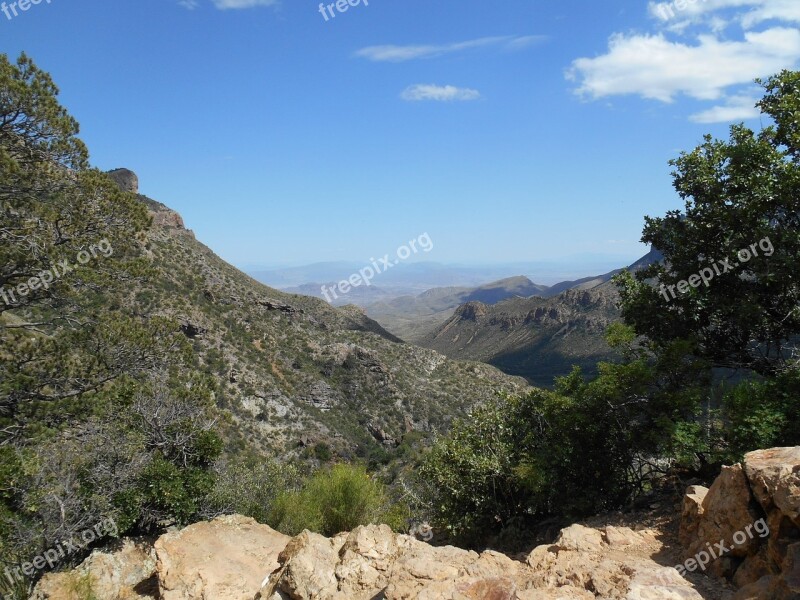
(609, 571)
(761, 589)
(691, 514)
(126, 573)
(307, 568)
(562, 593)
(224, 559)
(374, 562)
(622, 537)
(771, 587)
(774, 477)
(660, 583)
(763, 552)
(752, 569)
(728, 510)
(782, 534)
(579, 538)
(790, 570)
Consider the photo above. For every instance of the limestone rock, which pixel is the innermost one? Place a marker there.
(125, 573)
(774, 476)
(765, 563)
(578, 537)
(373, 562)
(125, 179)
(727, 510)
(692, 513)
(224, 559)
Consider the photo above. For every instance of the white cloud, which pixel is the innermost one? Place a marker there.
(236, 4)
(391, 53)
(745, 12)
(705, 49)
(188, 4)
(439, 93)
(781, 10)
(737, 108)
(653, 67)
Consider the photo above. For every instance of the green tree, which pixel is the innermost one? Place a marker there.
(63, 330)
(742, 194)
(89, 428)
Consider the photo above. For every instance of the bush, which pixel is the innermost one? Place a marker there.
(249, 486)
(763, 414)
(334, 500)
(471, 478)
(587, 447)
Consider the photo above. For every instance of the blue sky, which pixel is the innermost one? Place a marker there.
(509, 132)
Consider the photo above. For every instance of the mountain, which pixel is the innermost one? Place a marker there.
(412, 278)
(411, 317)
(294, 371)
(588, 283)
(538, 338)
(408, 277)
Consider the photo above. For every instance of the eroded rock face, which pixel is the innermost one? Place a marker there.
(760, 503)
(125, 179)
(774, 477)
(727, 509)
(224, 559)
(692, 514)
(168, 218)
(127, 572)
(373, 562)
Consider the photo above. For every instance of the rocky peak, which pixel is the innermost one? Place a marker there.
(163, 216)
(471, 311)
(125, 179)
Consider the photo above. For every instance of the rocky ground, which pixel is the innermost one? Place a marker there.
(628, 556)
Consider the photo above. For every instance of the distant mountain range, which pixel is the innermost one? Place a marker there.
(539, 337)
(413, 278)
(526, 329)
(412, 317)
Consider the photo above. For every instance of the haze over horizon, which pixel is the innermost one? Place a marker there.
(533, 132)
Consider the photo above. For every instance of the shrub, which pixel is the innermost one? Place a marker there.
(334, 500)
(249, 486)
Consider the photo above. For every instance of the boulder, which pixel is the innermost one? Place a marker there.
(579, 537)
(126, 572)
(691, 514)
(373, 562)
(774, 477)
(225, 559)
(759, 503)
(726, 514)
(790, 570)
